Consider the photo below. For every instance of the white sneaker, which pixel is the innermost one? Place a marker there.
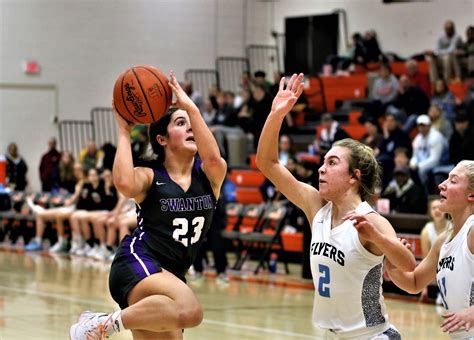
(90, 327)
(58, 247)
(93, 252)
(103, 253)
(84, 250)
(75, 246)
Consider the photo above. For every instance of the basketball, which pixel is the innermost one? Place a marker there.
(142, 94)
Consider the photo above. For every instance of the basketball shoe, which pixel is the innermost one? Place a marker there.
(95, 326)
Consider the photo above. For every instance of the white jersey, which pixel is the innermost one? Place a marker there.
(347, 279)
(432, 233)
(455, 274)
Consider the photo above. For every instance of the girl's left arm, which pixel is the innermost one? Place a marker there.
(213, 165)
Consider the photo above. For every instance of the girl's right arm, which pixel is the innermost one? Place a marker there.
(413, 282)
(131, 182)
(301, 194)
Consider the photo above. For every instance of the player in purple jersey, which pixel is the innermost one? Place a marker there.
(175, 203)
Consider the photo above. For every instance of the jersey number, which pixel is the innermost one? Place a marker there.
(180, 233)
(324, 280)
(442, 290)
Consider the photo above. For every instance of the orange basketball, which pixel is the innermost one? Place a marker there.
(142, 94)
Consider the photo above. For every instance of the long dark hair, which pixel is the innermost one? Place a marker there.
(160, 127)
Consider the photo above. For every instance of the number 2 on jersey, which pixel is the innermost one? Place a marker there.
(181, 231)
(324, 280)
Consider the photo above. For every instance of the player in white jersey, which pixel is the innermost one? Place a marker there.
(428, 236)
(346, 255)
(451, 259)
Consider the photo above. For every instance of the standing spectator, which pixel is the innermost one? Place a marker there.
(259, 105)
(393, 138)
(90, 157)
(331, 132)
(260, 78)
(412, 100)
(372, 48)
(445, 56)
(49, 167)
(404, 194)
(417, 78)
(444, 99)
(16, 169)
(67, 178)
(428, 148)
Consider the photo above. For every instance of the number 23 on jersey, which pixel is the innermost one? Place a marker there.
(180, 234)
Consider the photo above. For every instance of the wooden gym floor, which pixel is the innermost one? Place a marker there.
(41, 296)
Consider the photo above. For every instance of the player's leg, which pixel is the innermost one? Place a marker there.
(171, 335)
(161, 302)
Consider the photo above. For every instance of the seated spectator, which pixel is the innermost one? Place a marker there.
(429, 234)
(412, 101)
(373, 136)
(439, 122)
(208, 112)
(460, 146)
(428, 147)
(445, 56)
(49, 167)
(16, 169)
(404, 194)
(58, 215)
(109, 151)
(195, 96)
(467, 58)
(393, 138)
(468, 102)
(445, 99)
(417, 78)
(90, 157)
(91, 199)
(384, 91)
(331, 132)
(402, 159)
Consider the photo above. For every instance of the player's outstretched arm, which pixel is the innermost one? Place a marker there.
(416, 280)
(302, 195)
(380, 238)
(213, 164)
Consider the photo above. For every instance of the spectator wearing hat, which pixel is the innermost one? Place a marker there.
(428, 147)
(330, 133)
(404, 194)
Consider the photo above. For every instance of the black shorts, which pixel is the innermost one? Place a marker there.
(133, 262)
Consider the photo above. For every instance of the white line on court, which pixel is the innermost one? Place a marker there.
(108, 306)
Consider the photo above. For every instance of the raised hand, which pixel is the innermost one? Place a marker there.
(183, 101)
(289, 94)
(366, 229)
(122, 123)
